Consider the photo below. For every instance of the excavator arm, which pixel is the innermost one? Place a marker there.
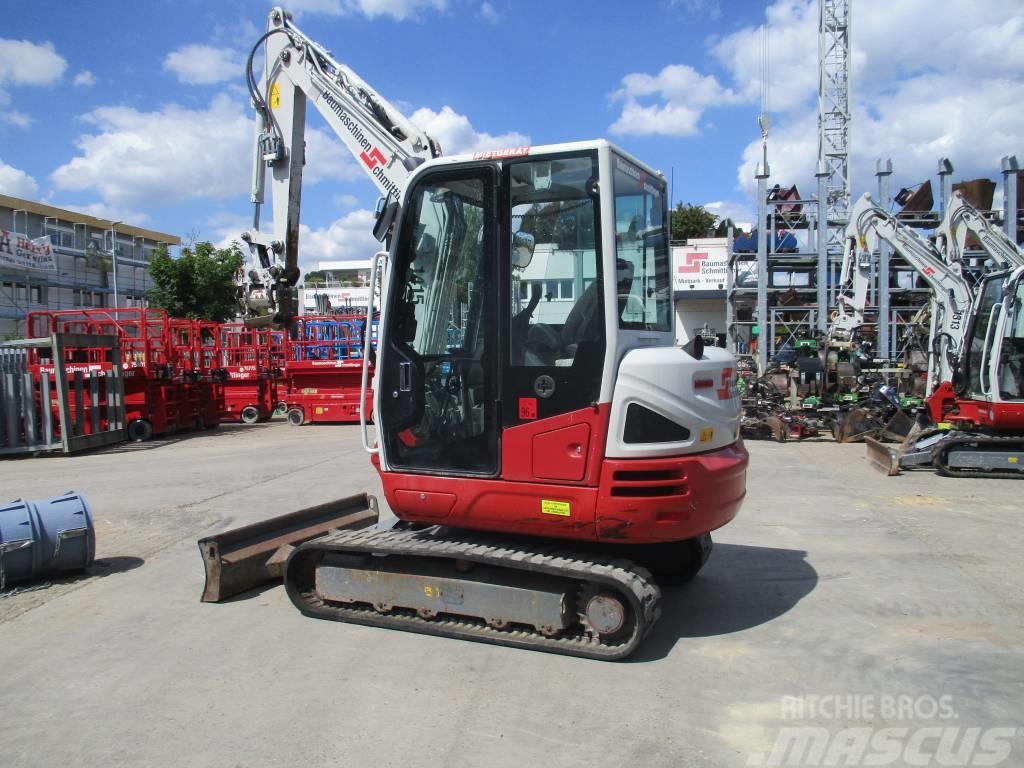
(386, 146)
(963, 219)
(951, 293)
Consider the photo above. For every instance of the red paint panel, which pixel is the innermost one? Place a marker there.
(517, 461)
(429, 505)
(946, 405)
(495, 505)
(645, 501)
(640, 501)
(561, 454)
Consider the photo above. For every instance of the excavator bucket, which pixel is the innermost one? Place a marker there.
(885, 458)
(779, 432)
(855, 425)
(898, 427)
(243, 558)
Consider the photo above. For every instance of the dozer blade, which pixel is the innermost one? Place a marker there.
(882, 457)
(246, 557)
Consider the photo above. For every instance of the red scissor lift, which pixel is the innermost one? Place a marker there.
(249, 362)
(194, 351)
(323, 370)
(159, 398)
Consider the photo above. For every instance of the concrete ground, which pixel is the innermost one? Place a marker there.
(840, 603)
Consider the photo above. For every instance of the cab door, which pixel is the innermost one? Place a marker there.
(437, 395)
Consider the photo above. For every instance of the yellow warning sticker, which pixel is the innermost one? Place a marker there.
(561, 508)
(1012, 460)
(430, 591)
(275, 95)
(707, 434)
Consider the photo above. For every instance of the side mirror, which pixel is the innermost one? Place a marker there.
(523, 244)
(385, 218)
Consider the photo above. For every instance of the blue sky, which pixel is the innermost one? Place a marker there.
(137, 110)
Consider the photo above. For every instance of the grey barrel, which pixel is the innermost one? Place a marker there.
(45, 537)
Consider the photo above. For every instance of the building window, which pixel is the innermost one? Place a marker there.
(84, 298)
(550, 290)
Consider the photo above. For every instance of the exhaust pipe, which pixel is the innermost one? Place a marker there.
(243, 558)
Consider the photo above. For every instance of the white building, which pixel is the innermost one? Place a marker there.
(53, 258)
(347, 290)
(698, 285)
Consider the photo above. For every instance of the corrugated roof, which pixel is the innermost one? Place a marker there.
(43, 209)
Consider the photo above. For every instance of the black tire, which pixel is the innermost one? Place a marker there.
(296, 417)
(139, 431)
(250, 414)
(677, 562)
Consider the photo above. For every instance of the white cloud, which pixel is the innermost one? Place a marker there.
(225, 228)
(106, 211)
(327, 159)
(345, 201)
(23, 62)
(488, 13)
(457, 135)
(709, 7)
(350, 237)
(741, 213)
(681, 93)
(347, 238)
(793, 46)
(916, 96)
(172, 154)
(12, 116)
(396, 9)
(922, 88)
(15, 182)
(197, 64)
(84, 79)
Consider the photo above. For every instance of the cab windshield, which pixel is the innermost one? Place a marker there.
(642, 258)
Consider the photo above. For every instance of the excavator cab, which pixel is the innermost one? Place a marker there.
(473, 312)
(520, 291)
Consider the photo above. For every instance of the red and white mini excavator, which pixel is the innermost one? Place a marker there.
(543, 442)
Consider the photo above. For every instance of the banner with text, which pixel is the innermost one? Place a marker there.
(700, 266)
(18, 251)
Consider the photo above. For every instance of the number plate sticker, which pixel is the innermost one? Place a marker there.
(527, 407)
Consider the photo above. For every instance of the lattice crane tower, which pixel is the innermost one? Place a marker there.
(834, 115)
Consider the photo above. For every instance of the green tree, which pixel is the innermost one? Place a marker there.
(198, 284)
(722, 230)
(689, 221)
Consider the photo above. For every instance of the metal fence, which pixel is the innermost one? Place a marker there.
(49, 404)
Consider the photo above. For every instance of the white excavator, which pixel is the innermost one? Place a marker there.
(963, 219)
(552, 456)
(951, 292)
(975, 391)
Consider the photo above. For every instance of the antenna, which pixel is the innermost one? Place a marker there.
(764, 120)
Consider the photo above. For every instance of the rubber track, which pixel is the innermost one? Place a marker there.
(631, 581)
(940, 456)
